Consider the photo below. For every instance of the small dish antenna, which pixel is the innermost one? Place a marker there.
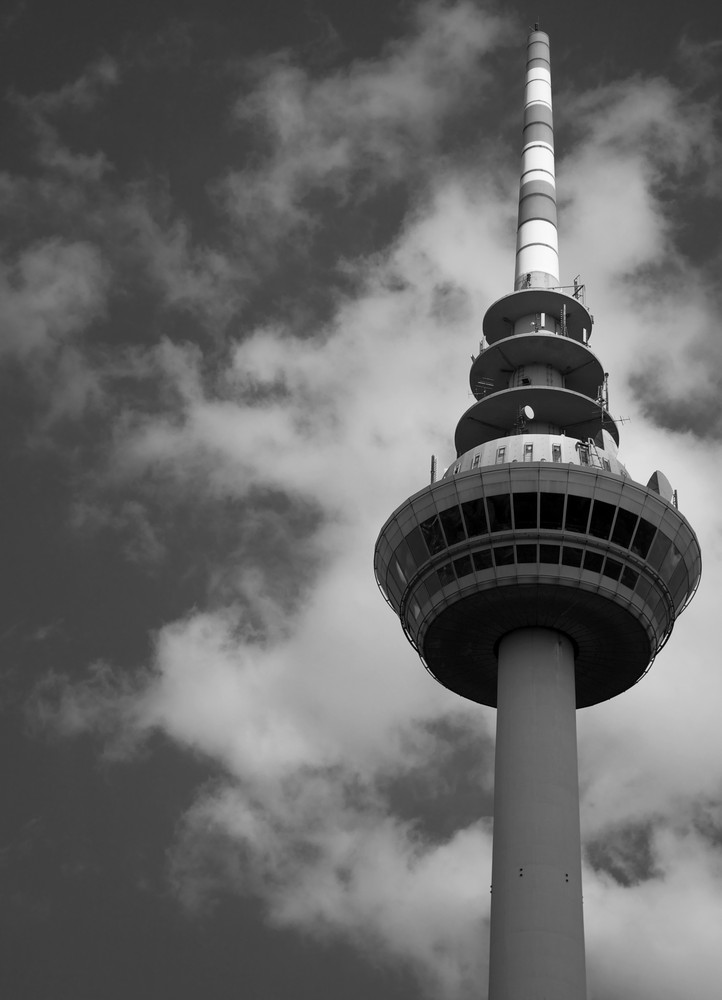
(527, 412)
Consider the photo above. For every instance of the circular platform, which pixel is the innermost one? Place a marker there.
(581, 369)
(606, 561)
(502, 314)
(495, 415)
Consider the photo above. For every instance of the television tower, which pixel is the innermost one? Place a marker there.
(536, 576)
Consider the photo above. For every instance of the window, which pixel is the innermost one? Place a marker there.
(643, 538)
(556, 453)
(679, 584)
(629, 578)
(500, 452)
(624, 527)
(612, 569)
(395, 590)
(446, 575)
(403, 564)
(525, 510)
(571, 557)
(607, 466)
(577, 513)
(415, 542)
(529, 452)
(593, 561)
(475, 464)
(457, 467)
(659, 550)
(462, 566)
(482, 560)
(549, 553)
(475, 517)
(453, 525)
(499, 512)
(671, 562)
(433, 535)
(551, 510)
(526, 553)
(602, 517)
(504, 555)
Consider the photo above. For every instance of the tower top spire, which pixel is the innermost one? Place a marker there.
(537, 250)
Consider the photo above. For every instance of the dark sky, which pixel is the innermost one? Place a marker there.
(245, 253)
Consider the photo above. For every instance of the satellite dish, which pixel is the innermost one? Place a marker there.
(527, 412)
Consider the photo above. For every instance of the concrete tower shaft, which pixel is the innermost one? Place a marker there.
(536, 869)
(536, 576)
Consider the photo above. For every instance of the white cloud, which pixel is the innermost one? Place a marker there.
(670, 922)
(365, 125)
(201, 280)
(333, 867)
(82, 94)
(642, 143)
(78, 97)
(307, 711)
(50, 294)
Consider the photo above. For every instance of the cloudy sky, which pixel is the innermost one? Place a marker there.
(246, 249)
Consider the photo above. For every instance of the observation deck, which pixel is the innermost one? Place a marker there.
(602, 559)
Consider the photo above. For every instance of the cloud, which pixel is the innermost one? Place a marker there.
(347, 133)
(632, 140)
(50, 294)
(671, 919)
(198, 279)
(699, 59)
(694, 410)
(300, 819)
(132, 521)
(640, 141)
(290, 448)
(331, 867)
(79, 97)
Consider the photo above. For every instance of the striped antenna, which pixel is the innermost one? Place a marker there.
(537, 249)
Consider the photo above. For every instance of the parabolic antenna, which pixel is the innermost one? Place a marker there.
(527, 412)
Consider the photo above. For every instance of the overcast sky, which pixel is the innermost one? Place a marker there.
(246, 251)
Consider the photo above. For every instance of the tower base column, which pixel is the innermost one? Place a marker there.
(537, 926)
